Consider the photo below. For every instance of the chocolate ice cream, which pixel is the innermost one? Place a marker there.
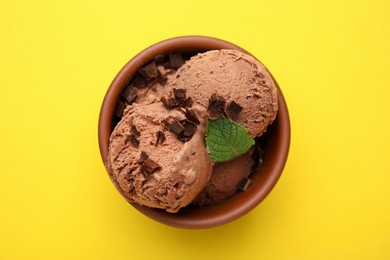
(226, 179)
(151, 165)
(235, 77)
(157, 152)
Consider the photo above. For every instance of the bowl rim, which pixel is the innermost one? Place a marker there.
(177, 44)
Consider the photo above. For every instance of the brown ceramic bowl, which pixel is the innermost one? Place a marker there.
(275, 142)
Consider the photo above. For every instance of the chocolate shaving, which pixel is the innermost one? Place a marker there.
(134, 141)
(149, 71)
(149, 166)
(135, 131)
(160, 137)
(216, 106)
(143, 156)
(130, 94)
(176, 60)
(191, 116)
(119, 108)
(138, 81)
(232, 110)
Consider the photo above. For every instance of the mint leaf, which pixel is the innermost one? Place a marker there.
(226, 140)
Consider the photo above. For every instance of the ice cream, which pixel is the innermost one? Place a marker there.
(150, 164)
(157, 154)
(226, 179)
(235, 77)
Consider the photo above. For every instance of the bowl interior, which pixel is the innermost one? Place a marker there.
(275, 142)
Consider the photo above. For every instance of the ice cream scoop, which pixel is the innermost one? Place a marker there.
(235, 76)
(151, 165)
(225, 180)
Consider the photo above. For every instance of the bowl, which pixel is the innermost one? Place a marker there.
(275, 142)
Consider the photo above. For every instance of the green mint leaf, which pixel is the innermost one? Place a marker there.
(226, 140)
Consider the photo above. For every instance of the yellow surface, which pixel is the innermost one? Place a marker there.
(331, 59)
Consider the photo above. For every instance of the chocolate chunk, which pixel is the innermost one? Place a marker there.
(149, 71)
(216, 106)
(167, 65)
(159, 58)
(135, 131)
(232, 110)
(163, 60)
(138, 81)
(149, 166)
(176, 128)
(170, 103)
(176, 60)
(184, 130)
(119, 108)
(130, 94)
(162, 80)
(189, 128)
(186, 103)
(180, 94)
(143, 156)
(160, 137)
(179, 99)
(191, 116)
(166, 123)
(134, 141)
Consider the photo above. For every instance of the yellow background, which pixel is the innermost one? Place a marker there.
(331, 59)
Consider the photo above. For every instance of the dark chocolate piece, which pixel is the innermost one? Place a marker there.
(166, 123)
(130, 94)
(160, 137)
(187, 103)
(134, 141)
(149, 166)
(176, 60)
(119, 108)
(159, 58)
(149, 71)
(180, 94)
(188, 132)
(189, 128)
(232, 110)
(179, 99)
(138, 81)
(143, 156)
(162, 80)
(184, 130)
(191, 116)
(135, 131)
(162, 60)
(170, 103)
(176, 128)
(216, 106)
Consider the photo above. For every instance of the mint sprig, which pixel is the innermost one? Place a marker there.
(225, 140)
